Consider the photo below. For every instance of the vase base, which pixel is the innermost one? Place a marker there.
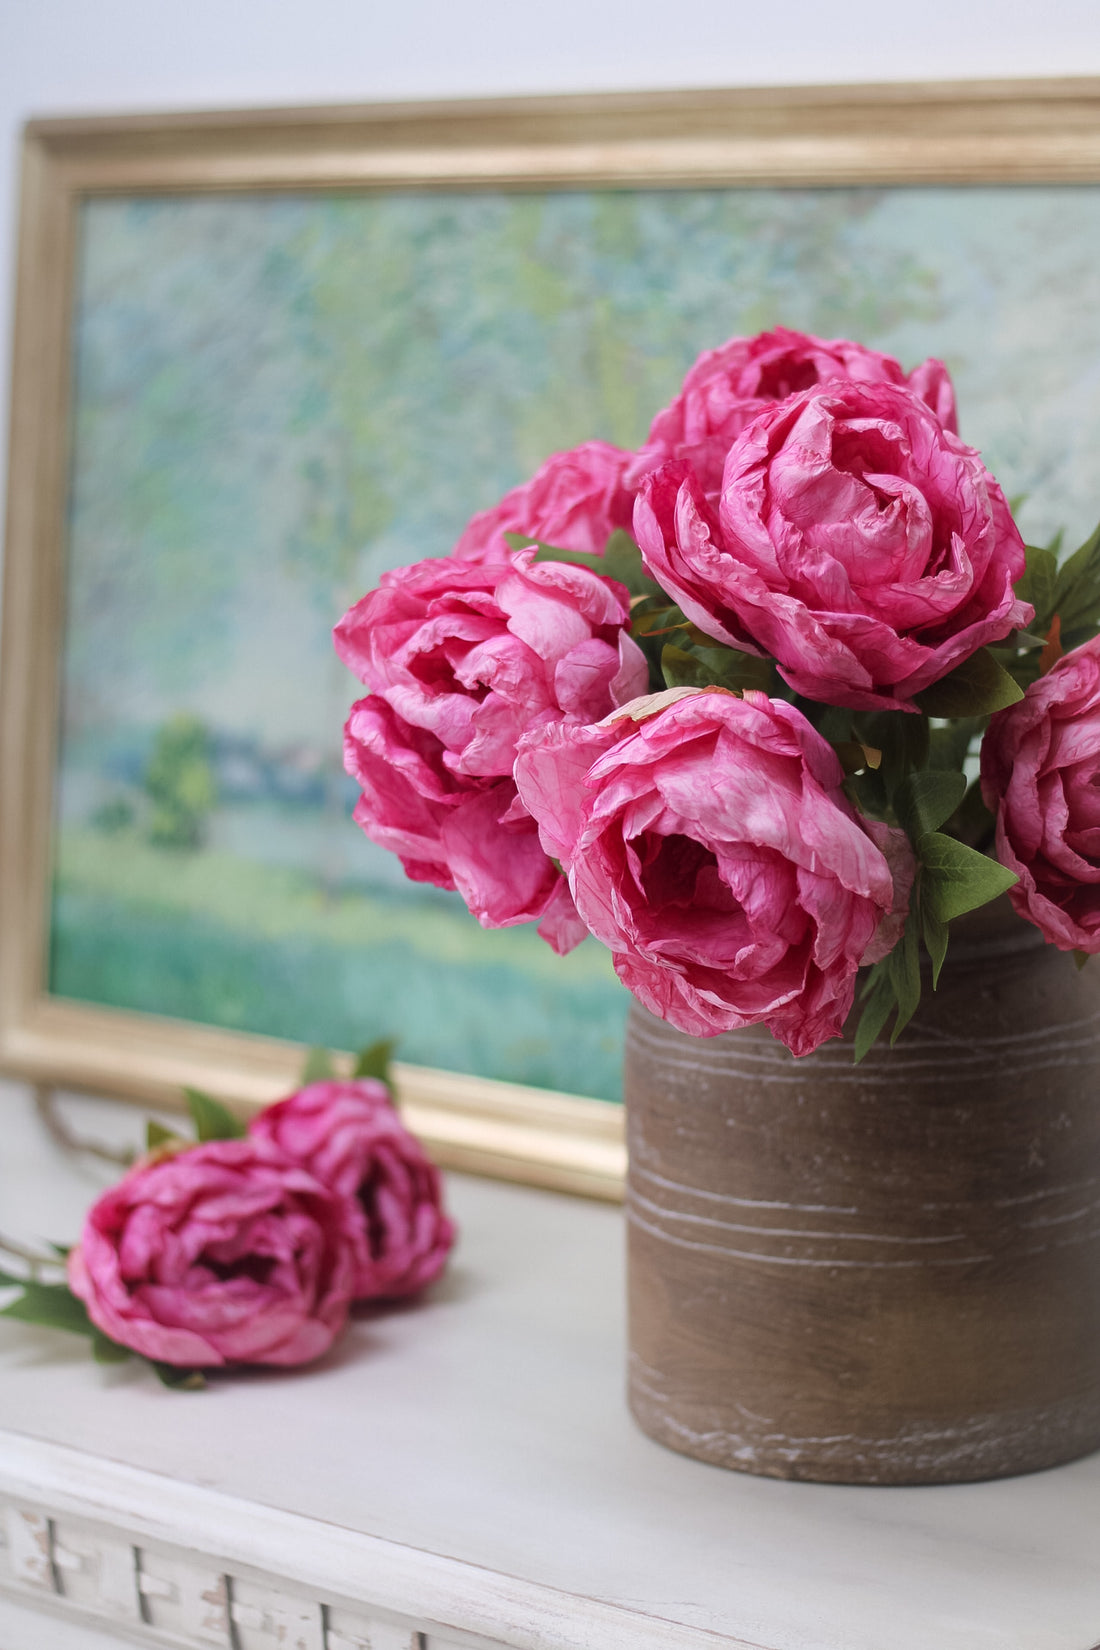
(993, 1446)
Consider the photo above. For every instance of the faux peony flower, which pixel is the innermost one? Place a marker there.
(857, 541)
(226, 1253)
(710, 847)
(1041, 778)
(349, 1136)
(461, 659)
(730, 386)
(574, 501)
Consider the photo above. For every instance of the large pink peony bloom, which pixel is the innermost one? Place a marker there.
(711, 849)
(574, 501)
(730, 386)
(1041, 778)
(857, 541)
(350, 1138)
(226, 1253)
(462, 658)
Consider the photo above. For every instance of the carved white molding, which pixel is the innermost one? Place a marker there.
(97, 1574)
(167, 1563)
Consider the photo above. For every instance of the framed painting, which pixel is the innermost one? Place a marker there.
(261, 357)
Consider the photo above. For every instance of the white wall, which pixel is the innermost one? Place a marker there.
(62, 56)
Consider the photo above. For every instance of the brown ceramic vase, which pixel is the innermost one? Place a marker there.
(877, 1274)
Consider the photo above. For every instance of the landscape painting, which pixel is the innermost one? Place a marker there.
(275, 397)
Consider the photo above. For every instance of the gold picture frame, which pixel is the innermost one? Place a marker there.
(1038, 132)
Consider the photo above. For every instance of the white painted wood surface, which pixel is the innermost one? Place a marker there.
(464, 1472)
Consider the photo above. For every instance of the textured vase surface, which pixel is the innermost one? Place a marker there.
(886, 1273)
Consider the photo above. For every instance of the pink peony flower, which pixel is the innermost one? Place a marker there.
(711, 848)
(575, 501)
(1041, 778)
(857, 541)
(349, 1137)
(222, 1254)
(462, 658)
(730, 386)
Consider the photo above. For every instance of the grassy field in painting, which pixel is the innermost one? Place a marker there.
(214, 938)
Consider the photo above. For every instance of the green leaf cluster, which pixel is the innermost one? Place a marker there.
(1070, 591)
(212, 1120)
(951, 880)
(691, 663)
(977, 687)
(375, 1059)
(371, 1061)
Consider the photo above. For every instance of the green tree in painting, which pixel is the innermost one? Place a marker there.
(179, 782)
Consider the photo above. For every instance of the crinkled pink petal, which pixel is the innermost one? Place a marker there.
(857, 541)
(551, 764)
(561, 925)
(575, 501)
(349, 1136)
(728, 387)
(1041, 777)
(233, 1253)
(711, 848)
(501, 871)
(465, 657)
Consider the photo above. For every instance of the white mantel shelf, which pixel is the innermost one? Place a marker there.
(464, 1473)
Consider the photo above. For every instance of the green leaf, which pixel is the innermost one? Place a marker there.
(977, 687)
(1024, 640)
(713, 667)
(51, 1304)
(62, 1249)
(902, 738)
(1077, 590)
(212, 1120)
(956, 879)
(178, 1380)
(622, 560)
(1039, 584)
(831, 721)
(973, 823)
(157, 1135)
(925, 801)
(317, 1068)
(867, 791)
(652, 621)
(1080, 958)
(657, 616)
(374, 1060)
(935, 940)
(875, 1015)
(903, 969)
(105, 1351)
(949, 746)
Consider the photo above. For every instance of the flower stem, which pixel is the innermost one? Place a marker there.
(63, 1136)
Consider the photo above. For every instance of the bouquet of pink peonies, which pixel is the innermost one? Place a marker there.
(251, 1245)
(717, 701)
